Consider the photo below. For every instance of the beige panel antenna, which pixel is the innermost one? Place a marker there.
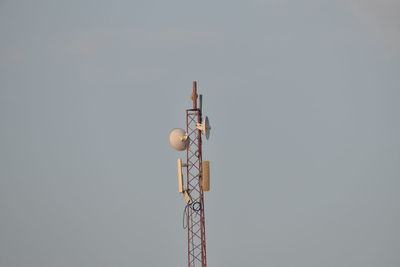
(206, 176)
(180, 176)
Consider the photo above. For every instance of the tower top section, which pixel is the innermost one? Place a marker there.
(194, 95)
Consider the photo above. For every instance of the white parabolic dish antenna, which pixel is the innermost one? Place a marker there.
(178, 139)
(205, 127)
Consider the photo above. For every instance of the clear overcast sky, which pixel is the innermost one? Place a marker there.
(303, 99)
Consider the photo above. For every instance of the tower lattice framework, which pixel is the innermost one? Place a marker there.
(195, 215)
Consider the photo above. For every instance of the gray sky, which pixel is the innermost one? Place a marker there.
(303, 98)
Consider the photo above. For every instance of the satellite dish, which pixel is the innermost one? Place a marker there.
(178, 139)
(205, 127)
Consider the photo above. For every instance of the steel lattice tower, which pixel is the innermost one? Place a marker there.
(195, 215)
(197, 178)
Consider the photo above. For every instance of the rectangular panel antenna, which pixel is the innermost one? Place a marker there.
(180, 176)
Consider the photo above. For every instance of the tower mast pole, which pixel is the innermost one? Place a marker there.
(195, 215)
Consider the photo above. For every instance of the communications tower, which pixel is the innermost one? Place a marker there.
(197, 178)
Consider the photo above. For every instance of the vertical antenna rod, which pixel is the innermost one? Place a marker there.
(194, 95)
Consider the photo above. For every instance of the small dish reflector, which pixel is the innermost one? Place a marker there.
(205, 127)
(178, 139)
(208, 128)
